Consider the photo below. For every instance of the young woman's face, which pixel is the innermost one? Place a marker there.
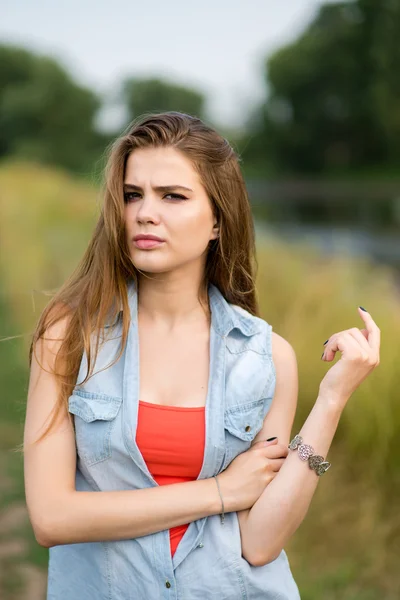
(182, 218)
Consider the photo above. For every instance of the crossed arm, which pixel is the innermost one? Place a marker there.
(275, 516)
(62, 515)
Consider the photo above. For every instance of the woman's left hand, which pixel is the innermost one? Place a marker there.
(360, 355)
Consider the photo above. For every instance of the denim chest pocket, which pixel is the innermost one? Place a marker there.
(95, 416)
(241, 425)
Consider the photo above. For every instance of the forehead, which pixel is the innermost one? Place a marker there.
(161, 166)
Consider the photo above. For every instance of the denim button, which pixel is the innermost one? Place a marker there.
(247, 428)
(167, 584)
(201, 545)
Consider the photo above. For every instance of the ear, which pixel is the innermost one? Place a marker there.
(215, 232)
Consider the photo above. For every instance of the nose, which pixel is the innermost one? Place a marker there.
(147, 209)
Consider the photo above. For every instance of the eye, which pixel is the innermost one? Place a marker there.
(129, 196)
(177, 196)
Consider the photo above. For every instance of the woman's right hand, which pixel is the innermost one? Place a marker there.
(247, 476)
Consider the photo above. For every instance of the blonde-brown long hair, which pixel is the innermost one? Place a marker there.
(97, 288)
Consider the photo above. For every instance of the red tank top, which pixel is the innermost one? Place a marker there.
(171, 440)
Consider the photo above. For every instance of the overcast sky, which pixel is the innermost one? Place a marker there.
(218, 46)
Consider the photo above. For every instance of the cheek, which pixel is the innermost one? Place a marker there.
(195, 223)
(129, 219)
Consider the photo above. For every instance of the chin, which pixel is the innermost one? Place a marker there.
(149, 266)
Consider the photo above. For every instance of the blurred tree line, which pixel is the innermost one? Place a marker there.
(333, 94)
(47, 117)
(332, 101)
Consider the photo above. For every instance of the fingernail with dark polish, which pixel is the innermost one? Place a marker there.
(326, 342)
(270, 439)
(322, 355)
(364, 309)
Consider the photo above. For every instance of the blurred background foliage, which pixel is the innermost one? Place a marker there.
(332, 102)
(321, 159)
(333, 94)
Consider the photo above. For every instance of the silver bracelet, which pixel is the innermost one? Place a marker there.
(222, 501)
(306, 452)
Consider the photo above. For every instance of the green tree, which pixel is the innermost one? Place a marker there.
(333, 93)
(143, 95)
(44, 114)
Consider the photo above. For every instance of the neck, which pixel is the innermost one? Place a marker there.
(173, 304)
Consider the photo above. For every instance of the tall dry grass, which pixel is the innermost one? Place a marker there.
(347, 548)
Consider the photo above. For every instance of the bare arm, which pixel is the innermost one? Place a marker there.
(60, 514)
(279, 419)
(281, 508)
(283, 504)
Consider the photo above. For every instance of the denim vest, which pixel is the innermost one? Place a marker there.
(208, 562)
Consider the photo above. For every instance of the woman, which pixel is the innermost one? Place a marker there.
(165, 470)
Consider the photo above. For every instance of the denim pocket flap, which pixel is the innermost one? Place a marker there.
(245, 421)
(91, 407)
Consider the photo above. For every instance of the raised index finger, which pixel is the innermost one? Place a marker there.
(374, 334)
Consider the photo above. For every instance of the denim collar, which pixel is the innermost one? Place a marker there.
(224, 317)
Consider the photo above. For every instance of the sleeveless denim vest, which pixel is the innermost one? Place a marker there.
(208, 562)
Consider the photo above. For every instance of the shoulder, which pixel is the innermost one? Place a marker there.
(285, 362)
(245, 316)
(51, 332)
(282, 350)
(55, 325)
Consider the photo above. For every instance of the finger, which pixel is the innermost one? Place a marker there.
(341, 342)
(276, 464)
(364, 332)
(360, 338)
(278, 451)
(374, 333)
(264, 442)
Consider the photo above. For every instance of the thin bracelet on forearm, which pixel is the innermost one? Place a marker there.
(222, 501)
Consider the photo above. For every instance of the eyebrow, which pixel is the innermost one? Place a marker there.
(159, 188)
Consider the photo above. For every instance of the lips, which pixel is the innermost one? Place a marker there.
(147, 236)
(146, 242)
